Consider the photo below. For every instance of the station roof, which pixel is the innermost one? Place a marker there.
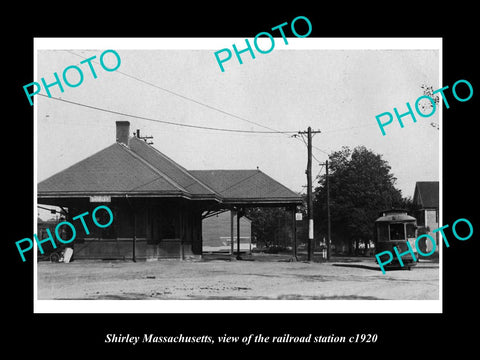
(140, 170)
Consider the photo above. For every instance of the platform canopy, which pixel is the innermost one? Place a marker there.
(247, 187)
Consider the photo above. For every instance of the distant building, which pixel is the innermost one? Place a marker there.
(216, 233)
(426, 201)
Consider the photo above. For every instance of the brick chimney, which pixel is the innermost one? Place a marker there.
(123, 132)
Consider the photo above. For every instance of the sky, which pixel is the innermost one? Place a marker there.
(337, 90)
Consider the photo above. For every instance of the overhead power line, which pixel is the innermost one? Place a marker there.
(190, 99)
(271, 130)
(168, 122)
(223, 111)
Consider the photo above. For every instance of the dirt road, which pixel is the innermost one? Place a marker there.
(255, 278)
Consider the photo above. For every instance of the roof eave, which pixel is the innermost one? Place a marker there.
(263, 201)
(81, 194)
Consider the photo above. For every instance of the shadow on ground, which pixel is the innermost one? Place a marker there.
(360, 266)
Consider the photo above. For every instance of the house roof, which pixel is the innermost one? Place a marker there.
(141, 170)
(426, 194)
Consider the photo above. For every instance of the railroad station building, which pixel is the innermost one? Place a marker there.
(158, 205)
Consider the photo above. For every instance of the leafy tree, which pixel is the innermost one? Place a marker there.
(270, 225)
(361, 185)
(426, 105)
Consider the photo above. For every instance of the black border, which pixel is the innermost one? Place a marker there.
(402, 333)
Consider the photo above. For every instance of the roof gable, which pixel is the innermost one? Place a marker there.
(427, 194)
(170, 168)
(111, 170)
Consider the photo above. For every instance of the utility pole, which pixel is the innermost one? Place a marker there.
(327, 185)
(311, 243)
(328, 210)
(144, 138)
(240, 213)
